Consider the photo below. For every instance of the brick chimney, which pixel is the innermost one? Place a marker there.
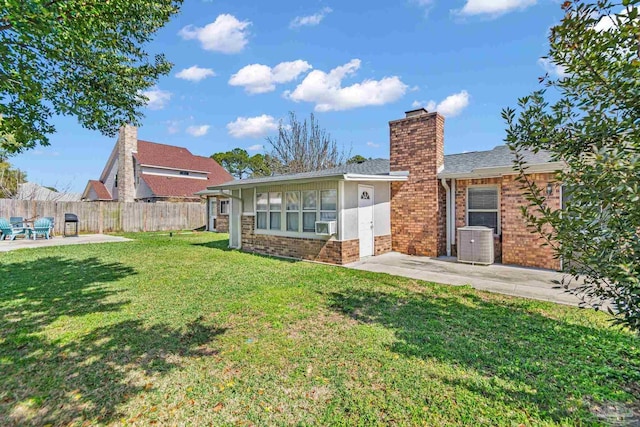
(418, 205)
(127, 144)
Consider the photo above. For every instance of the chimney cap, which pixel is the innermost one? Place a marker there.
(416, 112)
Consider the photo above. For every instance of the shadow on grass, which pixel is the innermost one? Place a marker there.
(527, 360)
(222, 245)
(87, 375)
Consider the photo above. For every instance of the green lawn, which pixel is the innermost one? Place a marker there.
(183, 331)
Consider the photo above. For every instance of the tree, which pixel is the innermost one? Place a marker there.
(76, 57)
(592, 126)
(239, 164)
(357, 159)
(303, 147)
(10, 178)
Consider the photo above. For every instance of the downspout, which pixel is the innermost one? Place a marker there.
(447, 214)
(453, 212)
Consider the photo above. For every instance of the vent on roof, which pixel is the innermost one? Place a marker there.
(475, 245)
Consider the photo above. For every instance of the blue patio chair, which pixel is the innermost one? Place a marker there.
(53, 224)
(42, 227)
(17, 221)
(9, 231)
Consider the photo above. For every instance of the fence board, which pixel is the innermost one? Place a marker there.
(97, 217)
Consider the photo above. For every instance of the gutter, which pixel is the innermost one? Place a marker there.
(448, 214)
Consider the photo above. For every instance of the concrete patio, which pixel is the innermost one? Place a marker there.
(516, 281)
(22, 243)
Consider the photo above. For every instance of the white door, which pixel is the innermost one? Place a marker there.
(365, 220)
(213, 209)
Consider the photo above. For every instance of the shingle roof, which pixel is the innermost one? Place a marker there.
(370, 167)
(499, 156)
(167, 186)
(453, 164)
(100, 190)
(179, 158)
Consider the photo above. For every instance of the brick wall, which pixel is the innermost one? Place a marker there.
(127, 144)
(519, 245)
(330, 251)
(382, 245)
(516, 245)
(222, 223)
(417, 217)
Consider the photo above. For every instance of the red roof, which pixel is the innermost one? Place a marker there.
(179, 158)
(100, 190)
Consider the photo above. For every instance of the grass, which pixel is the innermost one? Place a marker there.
(182, 331)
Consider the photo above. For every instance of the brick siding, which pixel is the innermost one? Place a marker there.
(330, 251)
(417, 217)
(517, 244)
(382, 244)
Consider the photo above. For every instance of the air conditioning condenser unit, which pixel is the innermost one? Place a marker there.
(475, 245)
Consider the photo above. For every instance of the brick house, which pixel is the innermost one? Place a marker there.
(143, 171)
(413, 203)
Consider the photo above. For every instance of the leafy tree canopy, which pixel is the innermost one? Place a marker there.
(239, 164)
(82, 58)
(357, 159)
(593, 126)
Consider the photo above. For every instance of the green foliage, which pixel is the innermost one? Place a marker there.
(593, 127)
(10, 177)
(357, 159)
(304, 147)
(79, 58)
(239, 164)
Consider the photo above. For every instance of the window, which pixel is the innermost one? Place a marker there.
(328, 205)
(262, 210)
(482, 207)
(275, 208)
(224, 207)
(293, 210)
(115, 183)
(184, 172)
(309, 207)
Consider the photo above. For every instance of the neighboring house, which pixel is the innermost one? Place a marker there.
(33, 191)
(143, 171)
(413, 203)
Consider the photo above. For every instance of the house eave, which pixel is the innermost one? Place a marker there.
(380, 178)
(496, 172)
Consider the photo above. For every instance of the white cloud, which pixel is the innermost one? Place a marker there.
(451, 106)
(195, 73)
(258, 78)
(551, 68)
(311, 20)
(326, 91)
(157, 98)
(372, 145)
(493, 7)
(609, 22)
(198, 130)
(252, 127)
(256, 147)
(226, 34)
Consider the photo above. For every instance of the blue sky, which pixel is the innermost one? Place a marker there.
(242, 66)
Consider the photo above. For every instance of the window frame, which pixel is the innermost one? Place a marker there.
(287, 211)
(321, 211)
(283, 231)
(496, 187)
(226, 203)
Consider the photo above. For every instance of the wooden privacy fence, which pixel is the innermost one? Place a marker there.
(99, 217)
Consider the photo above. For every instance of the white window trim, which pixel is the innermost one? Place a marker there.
(283, 231)
(498, 209)
(228, 204)
(287, 211)
(320, 210)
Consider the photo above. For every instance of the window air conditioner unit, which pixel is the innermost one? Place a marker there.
(475, 245)
(326, 228)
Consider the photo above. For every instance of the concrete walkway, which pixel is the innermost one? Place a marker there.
(516, 281)
(83, 239)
